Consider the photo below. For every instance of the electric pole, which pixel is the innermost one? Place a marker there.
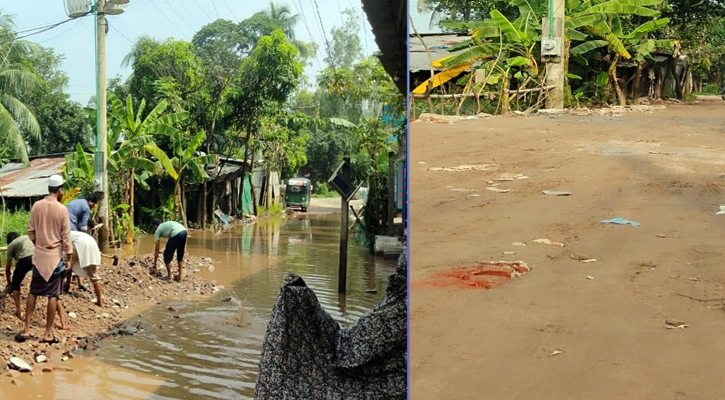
(552, 52)
(101, 171)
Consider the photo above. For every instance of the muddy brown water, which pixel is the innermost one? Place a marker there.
(209, 348)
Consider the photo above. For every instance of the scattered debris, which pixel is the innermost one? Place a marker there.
(589, 260)
(497, 190)
(675, 324)
(722, 211)
(620, 221)
(590, 277)
(555, 193)
(19, 364)
(479, 167)
(510, 177)
(661, 236)
(509, 253)
(549, 242)
(518, 244)
(579, 256)
(551, 111)
(556, 353)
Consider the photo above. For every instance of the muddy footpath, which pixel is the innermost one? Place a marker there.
(128, 288)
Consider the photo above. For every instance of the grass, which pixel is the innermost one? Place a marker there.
(274, 209)
(14, 221)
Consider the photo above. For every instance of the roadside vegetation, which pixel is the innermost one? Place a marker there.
(237, 90)
(615, 52)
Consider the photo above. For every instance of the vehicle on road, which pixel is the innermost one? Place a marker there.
(297, 193)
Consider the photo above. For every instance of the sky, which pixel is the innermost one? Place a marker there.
(161, 19)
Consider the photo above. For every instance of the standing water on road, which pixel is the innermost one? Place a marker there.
(210, 348)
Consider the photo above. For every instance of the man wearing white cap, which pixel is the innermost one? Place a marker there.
(49, 230)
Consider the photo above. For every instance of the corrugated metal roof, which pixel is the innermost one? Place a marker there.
(438, 45)
(388, 20)
(18, 180)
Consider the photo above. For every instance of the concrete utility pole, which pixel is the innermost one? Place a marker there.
(101, 171)
(555, 61)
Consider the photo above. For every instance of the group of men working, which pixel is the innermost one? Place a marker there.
(58, 237)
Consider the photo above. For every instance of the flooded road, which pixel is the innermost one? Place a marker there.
(210, 348)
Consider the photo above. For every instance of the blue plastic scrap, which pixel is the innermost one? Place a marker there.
(620, 221)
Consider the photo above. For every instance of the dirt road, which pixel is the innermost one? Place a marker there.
(329, 205)
(569, 329)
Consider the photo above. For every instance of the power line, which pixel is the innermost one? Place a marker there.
(62, 33)
(180, 17)
(230, 10)
(301, 10)
(121, 33)
(215, 10)
(203, 9)
(167, 18)
(189, 13)
(322, 27)
(39, 30)
(319, 21)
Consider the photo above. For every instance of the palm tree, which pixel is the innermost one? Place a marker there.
(16, 76)
(284, 18)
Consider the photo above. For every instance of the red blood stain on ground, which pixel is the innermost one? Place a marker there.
(484, 275)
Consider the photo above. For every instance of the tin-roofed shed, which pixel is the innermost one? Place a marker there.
(22, 185)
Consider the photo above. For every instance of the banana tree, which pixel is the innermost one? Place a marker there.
(633, 42)
(188, 166)
(498, 46)
(132, 161)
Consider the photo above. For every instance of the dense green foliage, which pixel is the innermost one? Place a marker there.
(614, 50)
(236, 90)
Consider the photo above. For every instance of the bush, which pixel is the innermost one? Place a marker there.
(322, 190)
(710, 88)
(15, 221)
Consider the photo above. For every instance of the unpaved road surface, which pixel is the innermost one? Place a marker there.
(568, 329)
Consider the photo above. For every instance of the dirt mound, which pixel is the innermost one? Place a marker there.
(130, 284)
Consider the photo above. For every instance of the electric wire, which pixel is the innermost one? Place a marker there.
(215, 9)
(203, 10)
(40, 30)
(179, 15)
(168, 19)
(230, 10)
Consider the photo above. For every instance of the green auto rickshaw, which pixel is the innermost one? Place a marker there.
(297, 193)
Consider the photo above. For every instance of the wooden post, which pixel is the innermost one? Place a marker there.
(391, 193)
(342, 273)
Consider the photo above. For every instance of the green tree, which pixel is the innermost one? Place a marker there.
(346, 48)
(16, 77)
(62, 121)
(266, 79)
